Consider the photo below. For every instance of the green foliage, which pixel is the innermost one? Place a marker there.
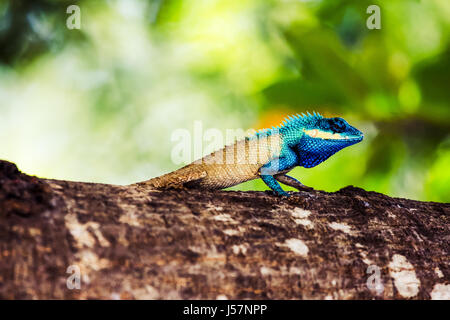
(101, 103)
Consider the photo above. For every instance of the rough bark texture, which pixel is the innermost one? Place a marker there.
(209, 245)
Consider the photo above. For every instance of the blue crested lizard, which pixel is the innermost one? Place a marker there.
(305, 140)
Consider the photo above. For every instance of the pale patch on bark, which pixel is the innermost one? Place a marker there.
(224, 218)
(232, 232)
(300, 213)
(130, 218)
(146, 293)
(341, 227)
(266, 271)
(88, 260)
(294, 270)
(440, 292)
(212, 207)
(282, 272)
(241, 248)
(405, 279)
(82, 235)
(438, 272)
(209, 254)
(305, 222)
(34, 232)
(391, 215)
(297, 246)
(365, 259)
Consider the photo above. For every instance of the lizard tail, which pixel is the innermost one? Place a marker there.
(156, 183)
(176, 179)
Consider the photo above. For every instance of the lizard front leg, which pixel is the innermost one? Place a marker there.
(273, 168)
(274, 185)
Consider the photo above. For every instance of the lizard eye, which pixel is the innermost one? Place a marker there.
(338, 125)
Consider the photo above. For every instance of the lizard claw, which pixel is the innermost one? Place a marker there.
(282, 194)
(278, 194)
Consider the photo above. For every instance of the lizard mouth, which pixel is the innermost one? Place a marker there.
(325, 135)
(348, 138)
(351, 139)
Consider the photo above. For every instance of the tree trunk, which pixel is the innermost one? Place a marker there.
(121, 242)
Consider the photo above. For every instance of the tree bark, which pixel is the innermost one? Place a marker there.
(190, 244)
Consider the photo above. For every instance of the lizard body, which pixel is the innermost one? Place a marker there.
(301, 141)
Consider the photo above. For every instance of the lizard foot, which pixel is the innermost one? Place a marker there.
(281, 194)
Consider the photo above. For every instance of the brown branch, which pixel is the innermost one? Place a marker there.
(203, 244)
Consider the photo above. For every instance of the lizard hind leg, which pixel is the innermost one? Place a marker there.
(292, 182)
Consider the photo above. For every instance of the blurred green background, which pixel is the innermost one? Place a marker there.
(101, 103)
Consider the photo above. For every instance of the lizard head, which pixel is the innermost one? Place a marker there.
(324, 138)
(318, 137)
(332, 132)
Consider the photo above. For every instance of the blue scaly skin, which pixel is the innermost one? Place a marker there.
(304, 141)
